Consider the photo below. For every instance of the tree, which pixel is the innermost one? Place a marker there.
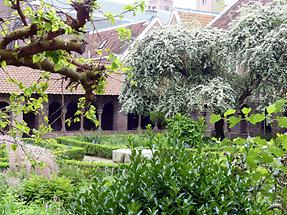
(257, 41)
(49, 38)
(175, 69)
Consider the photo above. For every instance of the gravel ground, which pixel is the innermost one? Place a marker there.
(33, 159)
(97, 159)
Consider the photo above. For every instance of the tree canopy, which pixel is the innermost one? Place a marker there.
(178, 70)
(182, 70)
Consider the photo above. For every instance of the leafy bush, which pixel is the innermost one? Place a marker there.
(40, 189)
(172, 182)
(186, 130)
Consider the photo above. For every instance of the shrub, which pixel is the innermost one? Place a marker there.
(186, 130)
(104, 151)
(41, 189)
(61, 151)
(172, 182)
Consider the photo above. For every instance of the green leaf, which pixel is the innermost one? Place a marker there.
(233, 121)
(282, 122)
(271, 109)
(246, 110)
(255, 118)
(214, 118)
(229, 112)
(3, 64)
(36, 58)
(251, 159)
(58, 67)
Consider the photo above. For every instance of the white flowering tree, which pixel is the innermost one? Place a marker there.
(174, 69)
(258, 42)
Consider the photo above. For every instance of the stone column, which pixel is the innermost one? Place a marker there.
(41, 116)
(139, 128)
(63, 118)
(82, 122)
(100, 112)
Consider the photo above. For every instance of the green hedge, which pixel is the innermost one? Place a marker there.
(82, 170)
(93, 149)
(61, 151)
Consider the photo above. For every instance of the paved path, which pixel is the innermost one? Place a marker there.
(97, 159)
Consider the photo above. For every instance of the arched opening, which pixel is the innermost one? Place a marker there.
(3, 108)
(89, 125)
(55, 116)
(145, 121)
(133, 121)
(71, 110)
(108, 117)
(31, 120)
(219, 129)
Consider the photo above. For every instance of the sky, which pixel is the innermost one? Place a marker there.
(180, 3)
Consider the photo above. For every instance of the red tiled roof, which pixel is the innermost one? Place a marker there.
(195, 18)
(223, 21)
(109, 39)
(29, 76)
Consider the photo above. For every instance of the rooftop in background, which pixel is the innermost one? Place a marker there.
(232, 12)
(29, 76)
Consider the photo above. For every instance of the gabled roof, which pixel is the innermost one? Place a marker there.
(109, 39)
(224, 20)
(29, 76)
(190, 17)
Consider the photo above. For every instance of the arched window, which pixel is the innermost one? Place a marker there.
(108, 117)
(70, 114)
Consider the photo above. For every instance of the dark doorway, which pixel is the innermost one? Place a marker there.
(133, 121)
(3, 108)
(71, 110)
(108, 117)
(55, 116)
(219, 129)
(31, 120)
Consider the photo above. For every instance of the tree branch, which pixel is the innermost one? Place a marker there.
(17, 34)
(50, 45)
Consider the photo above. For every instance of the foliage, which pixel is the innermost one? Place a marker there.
(185, 130)
(263, 161)
(174, 181)
(3, 157)
(172, 70)
(40, 189)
